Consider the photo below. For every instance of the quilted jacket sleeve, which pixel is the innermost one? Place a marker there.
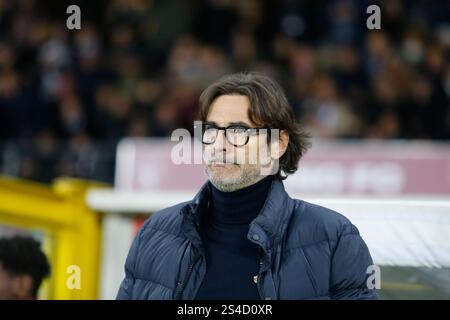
(349, 267)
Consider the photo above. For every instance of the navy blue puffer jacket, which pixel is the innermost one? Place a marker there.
(307, 252)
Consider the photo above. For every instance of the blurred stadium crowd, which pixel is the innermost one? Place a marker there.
(136, 69)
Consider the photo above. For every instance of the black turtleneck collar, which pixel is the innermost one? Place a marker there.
(239, 207)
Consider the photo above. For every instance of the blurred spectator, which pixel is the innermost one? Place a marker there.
(23, 266)
(136, 68)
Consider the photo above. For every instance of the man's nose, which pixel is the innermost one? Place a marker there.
(221, 141)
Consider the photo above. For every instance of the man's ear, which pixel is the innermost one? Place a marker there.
(22, 286)
(279, 146)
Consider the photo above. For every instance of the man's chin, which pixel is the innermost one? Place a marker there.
(225, 173)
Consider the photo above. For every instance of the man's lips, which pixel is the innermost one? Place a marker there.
(221, 164)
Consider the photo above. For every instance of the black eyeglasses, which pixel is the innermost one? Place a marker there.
(237, 135)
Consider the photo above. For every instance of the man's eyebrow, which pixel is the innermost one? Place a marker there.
(240, 123)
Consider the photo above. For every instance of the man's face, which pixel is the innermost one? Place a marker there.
(228, 167)
(5, 285)
(14, 287)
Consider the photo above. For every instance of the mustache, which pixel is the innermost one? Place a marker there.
(220, 159)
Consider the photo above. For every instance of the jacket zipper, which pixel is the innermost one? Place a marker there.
(182, 284)
(259, 284)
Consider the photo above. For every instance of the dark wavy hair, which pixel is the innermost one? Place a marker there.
(22, 255)
(269, 107)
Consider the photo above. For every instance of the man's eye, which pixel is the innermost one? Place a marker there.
(208, 127)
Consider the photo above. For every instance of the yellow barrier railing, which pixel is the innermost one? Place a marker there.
(60, 211)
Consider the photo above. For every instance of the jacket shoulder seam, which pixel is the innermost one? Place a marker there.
(149, 225)
(164, 231)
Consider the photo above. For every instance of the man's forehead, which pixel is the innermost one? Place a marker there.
(229, 109)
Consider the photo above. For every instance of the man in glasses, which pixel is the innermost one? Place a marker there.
(242, 236)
